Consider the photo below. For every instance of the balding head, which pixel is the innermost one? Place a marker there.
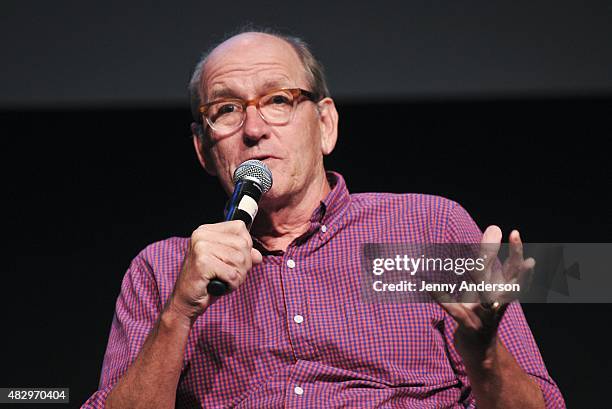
(248, 58)
(313, 70)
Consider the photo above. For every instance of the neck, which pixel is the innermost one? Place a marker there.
(277, 226)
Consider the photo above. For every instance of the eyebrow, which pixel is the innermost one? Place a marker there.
(222, 93)
(226, 92)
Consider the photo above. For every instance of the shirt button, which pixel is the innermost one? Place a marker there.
(298, 391)
(298, 319)
(290, 263)
(323, 228)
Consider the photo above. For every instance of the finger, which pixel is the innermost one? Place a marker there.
(210, 267)
(516, 244)
(489, 245)
(529, 263)
(459, 311)
(256, 256)
(526, 274)
(237, 241)
(239, 259)
(235, 226)
(239, 228)
(221, 250)
(524, 269)
(515, 259)
(232, 226)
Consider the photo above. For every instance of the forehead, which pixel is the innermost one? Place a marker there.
(251, 61)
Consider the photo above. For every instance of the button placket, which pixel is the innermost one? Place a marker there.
(298, 319)
(296, 306)
(293, 303)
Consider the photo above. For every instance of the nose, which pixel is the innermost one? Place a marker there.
(255, 127)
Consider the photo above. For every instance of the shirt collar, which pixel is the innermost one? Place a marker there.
(330, 208)
(336, 201)
(327, 213)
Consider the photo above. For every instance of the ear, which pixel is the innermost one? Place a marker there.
(198, 134)
(328, 123)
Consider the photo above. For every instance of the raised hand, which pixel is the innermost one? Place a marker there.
(478, 318)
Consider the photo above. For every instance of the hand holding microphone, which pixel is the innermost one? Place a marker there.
(220, 254)
(251, 180)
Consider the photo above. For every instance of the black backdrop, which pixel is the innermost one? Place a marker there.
(85, 190)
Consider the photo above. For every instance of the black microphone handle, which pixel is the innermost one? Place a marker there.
(243, 188)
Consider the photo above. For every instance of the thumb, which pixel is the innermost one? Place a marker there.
(256, 256)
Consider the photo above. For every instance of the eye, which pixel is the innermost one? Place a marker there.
(279, 99)
(226, 109)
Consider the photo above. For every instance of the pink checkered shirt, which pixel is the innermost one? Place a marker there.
(297, 333)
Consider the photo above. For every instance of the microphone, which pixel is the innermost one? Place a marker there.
(251, 180)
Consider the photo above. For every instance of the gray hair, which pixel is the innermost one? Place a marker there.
(313, 68)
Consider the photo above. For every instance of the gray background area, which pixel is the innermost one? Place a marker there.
(86, 53)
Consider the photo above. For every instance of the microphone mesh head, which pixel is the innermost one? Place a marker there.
(255, 169)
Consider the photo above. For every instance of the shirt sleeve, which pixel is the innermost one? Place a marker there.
(137, 309)
(513, 330)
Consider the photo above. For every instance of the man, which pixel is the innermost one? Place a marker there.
(294, 331)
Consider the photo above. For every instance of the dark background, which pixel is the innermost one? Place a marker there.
(510, 118)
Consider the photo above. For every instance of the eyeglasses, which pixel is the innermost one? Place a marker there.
(276, 108)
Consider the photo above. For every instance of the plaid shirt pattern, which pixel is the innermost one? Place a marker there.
(297, 333)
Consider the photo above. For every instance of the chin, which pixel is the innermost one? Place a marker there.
(274, 197)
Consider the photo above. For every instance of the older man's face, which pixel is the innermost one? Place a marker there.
(248, 66)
